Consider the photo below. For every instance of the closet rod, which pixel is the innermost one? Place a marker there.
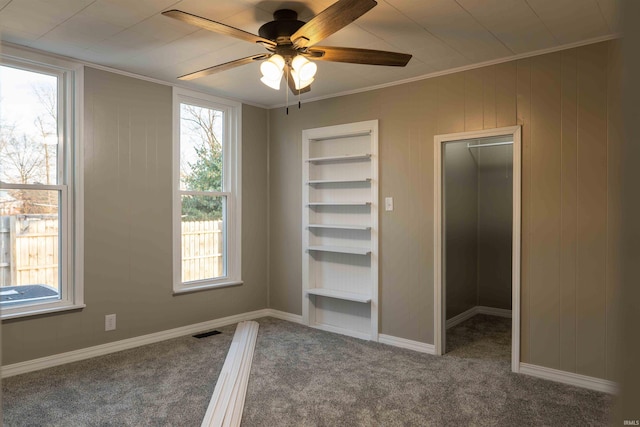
(493, 144)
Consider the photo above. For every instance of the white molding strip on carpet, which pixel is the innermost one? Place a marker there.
(570, 378)
(478, 309)
(283, 315)
(102, 349)
(408, 344)
(227, 402)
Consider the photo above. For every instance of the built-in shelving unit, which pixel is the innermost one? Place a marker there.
(340, 229)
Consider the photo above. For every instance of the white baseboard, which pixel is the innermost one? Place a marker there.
(112, 347)
(570, 378)
(408, 344)
(283, 315)
(491, 311)
(455, 320)
(478, 309)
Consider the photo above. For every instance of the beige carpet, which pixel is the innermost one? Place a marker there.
(305, 377)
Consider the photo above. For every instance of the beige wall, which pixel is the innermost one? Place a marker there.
(460, 231)
(128, 226)
(564, 103)
(495, 225)
(629, 226)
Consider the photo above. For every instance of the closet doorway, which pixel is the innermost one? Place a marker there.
(477, 203)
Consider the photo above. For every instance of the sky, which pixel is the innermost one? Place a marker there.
(19, 108)
(19, 104)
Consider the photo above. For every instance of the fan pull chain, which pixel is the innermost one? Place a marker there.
(286, 89)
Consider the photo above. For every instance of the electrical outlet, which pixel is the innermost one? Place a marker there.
(110, 322)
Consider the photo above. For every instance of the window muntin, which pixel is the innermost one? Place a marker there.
(206, 199)
(37, 170)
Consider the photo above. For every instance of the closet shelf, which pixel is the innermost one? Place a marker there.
(343, 158)
(341, 226)
(349, 296)
(340, 250)
(337, 181)
(338, 203)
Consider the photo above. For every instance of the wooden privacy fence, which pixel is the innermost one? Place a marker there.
(35, 258)
(202, 250)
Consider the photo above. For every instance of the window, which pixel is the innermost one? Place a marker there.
(206, 201)
(39, 211)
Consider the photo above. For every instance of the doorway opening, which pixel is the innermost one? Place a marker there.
(477, 238)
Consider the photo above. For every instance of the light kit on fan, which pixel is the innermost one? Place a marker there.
(272, 70)
(302, 71)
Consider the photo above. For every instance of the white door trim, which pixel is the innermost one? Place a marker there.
(439, 296)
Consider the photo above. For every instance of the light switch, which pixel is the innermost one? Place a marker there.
(388, 203)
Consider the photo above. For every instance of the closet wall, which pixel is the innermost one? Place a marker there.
(478, 223)
(495, 220)
(460, 228)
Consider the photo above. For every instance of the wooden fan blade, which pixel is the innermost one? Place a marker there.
(292, 84)
(216, 27)
(224, 67)
(359, 56)
(335, 17)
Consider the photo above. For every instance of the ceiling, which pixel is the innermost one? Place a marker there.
(132, 35)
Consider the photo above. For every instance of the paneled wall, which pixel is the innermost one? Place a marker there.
(566, 104)
(127, 226)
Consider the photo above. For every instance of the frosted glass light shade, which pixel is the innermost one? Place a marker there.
(272, 83)
(305, 68)
(300, 83)
(272, 67)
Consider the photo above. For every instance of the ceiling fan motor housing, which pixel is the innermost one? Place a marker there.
(285, 22)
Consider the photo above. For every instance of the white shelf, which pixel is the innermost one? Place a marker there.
(340, 249)
(340, 226)
(338, 203)
(338, 181)
(349, 296)
(343, 158)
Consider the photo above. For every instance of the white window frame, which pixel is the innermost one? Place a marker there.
(70, 178)
(232, 174)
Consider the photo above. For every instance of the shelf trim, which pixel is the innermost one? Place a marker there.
(341, 135)
(340, 250)
(339, 204)
(331, 293)
(345, 157)
(340, 226)
(337, 181)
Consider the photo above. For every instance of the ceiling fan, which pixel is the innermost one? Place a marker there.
(291, 43)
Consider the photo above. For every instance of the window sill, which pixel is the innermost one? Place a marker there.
(205, 287)
(35, 311)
